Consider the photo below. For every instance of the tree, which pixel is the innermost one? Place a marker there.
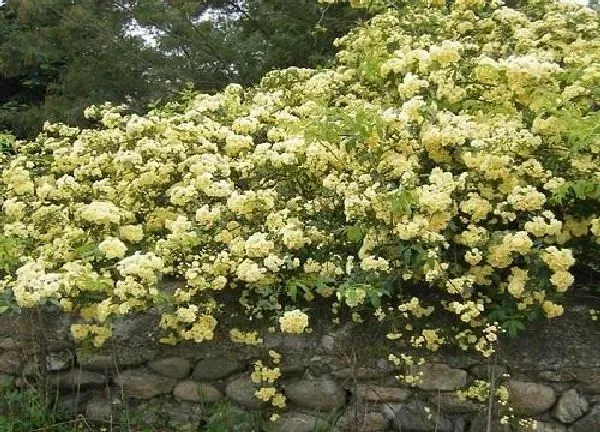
(59, 56)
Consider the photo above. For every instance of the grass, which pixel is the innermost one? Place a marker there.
(24, 411)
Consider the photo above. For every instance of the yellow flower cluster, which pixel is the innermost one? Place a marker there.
(99, 334)
(412, 375)
(246, 338)
(263, 374)
(187, 324)
(559, 261)
(294, 321)
(429, 338)
(112, 247)
(479, 391)
(425, 175)
(415, 308)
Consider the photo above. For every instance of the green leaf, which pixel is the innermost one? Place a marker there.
(292, 289)
(497, 314)
(355, 233)
(375, 298)
(401, 203)
(513, 327)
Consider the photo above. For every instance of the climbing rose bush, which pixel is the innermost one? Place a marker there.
(445, 169)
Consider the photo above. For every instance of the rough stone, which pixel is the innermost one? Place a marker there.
(480, 424)
(481, 371)
(324, 365)
(457, 359)
(450, 403)
(59, 361)
(103, 409)
(413, 417)
(460, 424)
(373, 393)
(174, 415)
(389, 409)
(6, 381)
(557, 375)
(31, 368)
(295, 421)
(9, 344)
(95, 361)
(328, 344)
(384, 365)
(99, 409)
(439, 376)
(140, 384)
(172, 367)
(557, 344)
(136, 329)
(289, 343)
(192, 391)
(588, 423)
(53, 345)
(370, 421)
(120, 358)
(333, 341)
(182, 414)
(242, 391)
(74, 402)
(10, 362)
(230, 419)
(55, 326)
(216, 368)
(528, 398)
(570, 407)
(292, 367)
(77, 378)
(361, 373)
(323, 394)
(550, 427)
(588, 379)
(566, 368)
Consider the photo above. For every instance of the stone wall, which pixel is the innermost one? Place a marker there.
(340, 375)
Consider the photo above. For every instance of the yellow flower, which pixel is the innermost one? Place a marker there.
(294, 321)
(79, 331)
(551, 309)
(265, 393)
(562, 280)
(132, 233)
(101, 213)
(112, 247)
(278, 400)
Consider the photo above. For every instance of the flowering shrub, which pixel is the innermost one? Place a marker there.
(446, 167)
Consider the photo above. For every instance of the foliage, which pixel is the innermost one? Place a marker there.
(7, 141)
(24, 411)
(59, 56)
(223, 418)
(442, 171)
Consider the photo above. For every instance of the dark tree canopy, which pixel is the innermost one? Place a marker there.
(59, 56)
